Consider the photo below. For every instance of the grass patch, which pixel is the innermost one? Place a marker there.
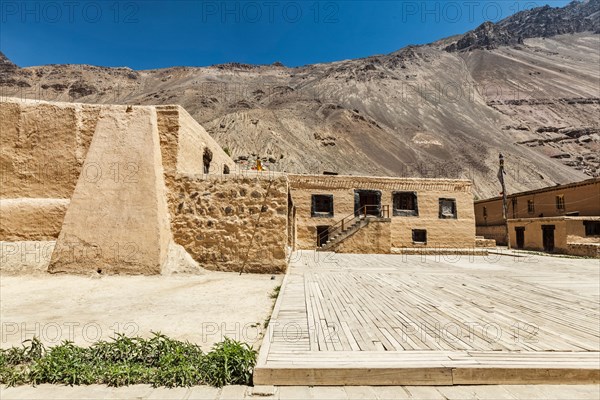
(159, 361)
(275, 293)
(266, 323)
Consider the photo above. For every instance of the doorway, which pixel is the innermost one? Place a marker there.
(370, 199)
(548, 237)
(206, 159)
(520, 232)
(322, 235)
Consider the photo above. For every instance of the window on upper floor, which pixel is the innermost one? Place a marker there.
(447, 208)
(530, 206)
(560, 202)
(322, 205)
(405, 204)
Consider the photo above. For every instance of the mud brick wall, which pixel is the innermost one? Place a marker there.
(495, 232)
(375, 238)
(231, 222)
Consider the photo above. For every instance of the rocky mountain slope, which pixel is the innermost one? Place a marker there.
(541, 22)
(520, 87)
(546, 21)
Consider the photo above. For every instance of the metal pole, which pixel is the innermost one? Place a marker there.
(504, 198)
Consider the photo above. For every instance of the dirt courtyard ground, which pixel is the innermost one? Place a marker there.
(200, 308)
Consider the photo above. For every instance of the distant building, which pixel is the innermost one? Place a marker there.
(387, 212)
(562, 219)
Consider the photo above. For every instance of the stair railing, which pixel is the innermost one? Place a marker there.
(361, 213)
(385, 211)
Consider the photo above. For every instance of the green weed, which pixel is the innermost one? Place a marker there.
(159, 361)
(275, 292)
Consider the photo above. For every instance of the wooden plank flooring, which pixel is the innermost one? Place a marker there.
(433, 320)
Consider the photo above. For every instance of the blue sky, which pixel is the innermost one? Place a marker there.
(157, 34)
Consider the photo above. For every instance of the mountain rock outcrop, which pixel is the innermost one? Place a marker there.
(487, 36)
(6, 64)
(546, 21)
(539, 22)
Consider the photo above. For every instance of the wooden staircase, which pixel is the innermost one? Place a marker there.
(350, 224)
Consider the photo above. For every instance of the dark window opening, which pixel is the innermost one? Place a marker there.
(206, 159)
(419, 236)
(530, 206)
(322, 235)
(405, 204)
(560, 202)
(592, 228)
(367, 202)
(484, 212)
(447, 208)
(226, 169)
(322, 205)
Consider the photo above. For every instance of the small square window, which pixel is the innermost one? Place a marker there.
(405, 204)
(419, 236)
(447, 208)
(322, 205)
(560, 202)
(530, 206)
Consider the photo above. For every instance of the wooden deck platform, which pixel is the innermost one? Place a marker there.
(344, 319)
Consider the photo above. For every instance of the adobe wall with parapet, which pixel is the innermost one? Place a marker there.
(43, 147)
(183, 142)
